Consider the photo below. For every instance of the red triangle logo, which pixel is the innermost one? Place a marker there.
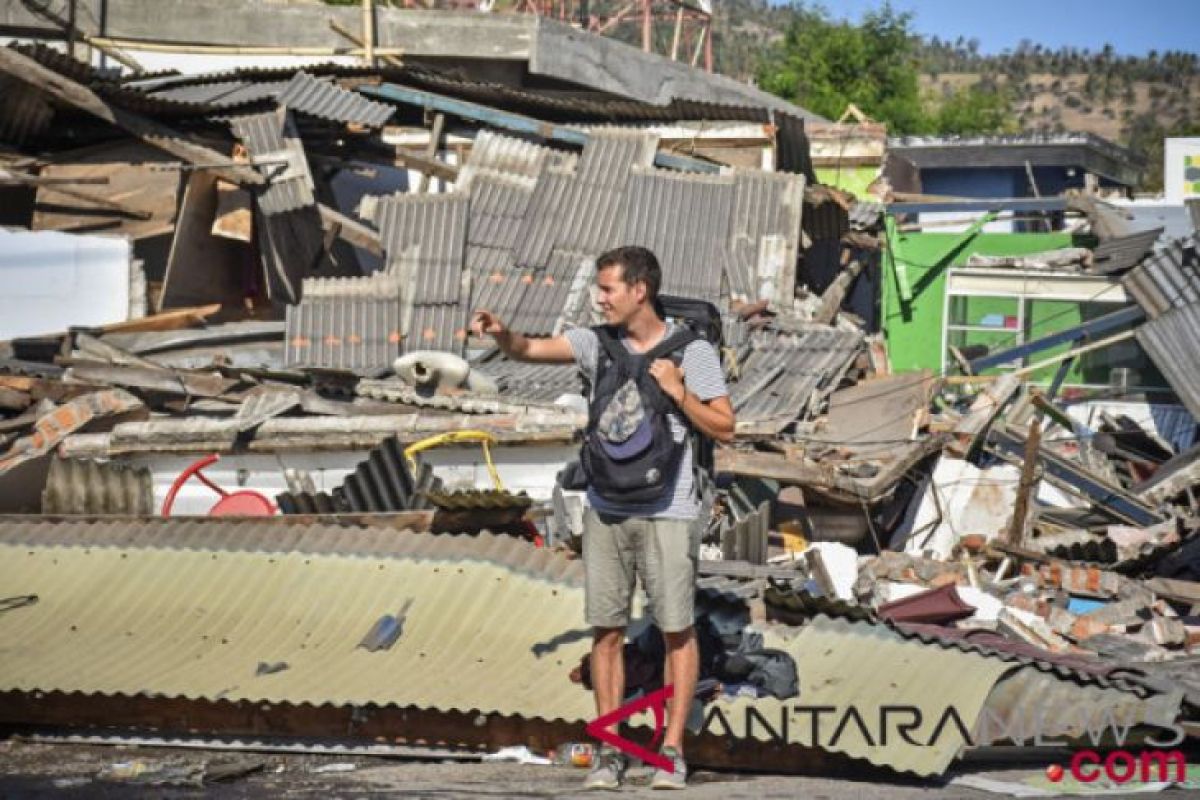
(599, 728)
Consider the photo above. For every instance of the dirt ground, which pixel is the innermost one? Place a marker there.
(34, 769)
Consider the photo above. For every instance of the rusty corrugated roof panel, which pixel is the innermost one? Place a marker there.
(686, 220)
(326, 100)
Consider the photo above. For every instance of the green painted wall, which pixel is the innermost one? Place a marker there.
(851, 179)
(914, 329)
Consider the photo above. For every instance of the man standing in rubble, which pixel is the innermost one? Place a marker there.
(642, 520)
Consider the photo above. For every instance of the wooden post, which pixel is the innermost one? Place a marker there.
(647, 22)
(1016, 528)
(435, 137)
(368, 11)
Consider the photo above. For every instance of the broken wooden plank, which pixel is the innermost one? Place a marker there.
(202, 268)
(1016, 528)
(234, 218)
(65, 90)
(350, 230)
(166, 321)
(985, 408)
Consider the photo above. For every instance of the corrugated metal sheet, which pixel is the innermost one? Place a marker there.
(765, 204)
(1172, 340)
(1169, 278)
(327, 100)
(686, 221)
(346, 323)
(381, 483)
(178, 623)
(1123, 253)
(273, 134)
(845, 665)
(93, 487)
(396, 391)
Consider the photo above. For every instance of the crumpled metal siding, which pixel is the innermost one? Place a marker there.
(27, 114)
(765, 204)
(1172, 340)
(686, 221)
(327, 100)
(1169, 278)
(224, 95)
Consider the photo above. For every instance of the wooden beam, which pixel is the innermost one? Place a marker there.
(351, 230)
(238, 50)
(431, 149)
(67, 91)
(1016, 528)
(350, 36)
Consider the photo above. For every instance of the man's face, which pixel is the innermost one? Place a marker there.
(617, 300)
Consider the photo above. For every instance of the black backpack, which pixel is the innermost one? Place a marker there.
(647, 476)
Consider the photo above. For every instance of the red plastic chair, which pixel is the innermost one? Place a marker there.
(242, 503)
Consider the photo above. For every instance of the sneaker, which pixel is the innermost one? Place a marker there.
(676, 779)
(607, 770)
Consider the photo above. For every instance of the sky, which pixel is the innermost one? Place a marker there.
(1133, 27)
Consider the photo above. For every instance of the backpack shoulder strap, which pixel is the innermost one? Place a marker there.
(676, 342)
(606, 335)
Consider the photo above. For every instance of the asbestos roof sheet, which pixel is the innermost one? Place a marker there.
(346, 323)
(686, 220)
(1172, 340)
(540, 382)
(273, 135)
(223, 95)
(765, 204)
(326, 100)
(496, 153)
(425, 237)
(781, 375)
(1169, 278)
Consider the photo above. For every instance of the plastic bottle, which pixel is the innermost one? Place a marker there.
(575, 754)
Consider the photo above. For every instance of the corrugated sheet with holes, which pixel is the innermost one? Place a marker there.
(424, 237)
(346, 323)
(326, 100)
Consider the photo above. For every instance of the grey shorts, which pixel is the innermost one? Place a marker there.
(663, 552)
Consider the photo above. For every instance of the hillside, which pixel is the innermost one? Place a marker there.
(1131, 100)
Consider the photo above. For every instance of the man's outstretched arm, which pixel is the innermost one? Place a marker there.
(555, 350)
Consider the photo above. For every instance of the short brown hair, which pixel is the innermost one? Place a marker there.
(637, 265)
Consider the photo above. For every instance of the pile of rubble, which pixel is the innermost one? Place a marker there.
(291, 303)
